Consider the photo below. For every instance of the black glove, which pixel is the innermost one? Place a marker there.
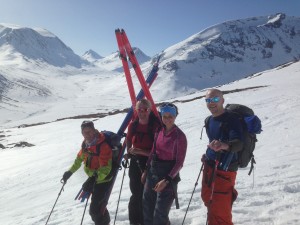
(88, 185)
(66, 176)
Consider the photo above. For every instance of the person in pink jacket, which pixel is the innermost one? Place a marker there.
(162, 168)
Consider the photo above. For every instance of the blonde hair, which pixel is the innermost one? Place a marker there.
(144, 102)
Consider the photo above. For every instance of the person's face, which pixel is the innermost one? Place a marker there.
(89, 134)
(168, 119)
(143, 112)
(214, 102)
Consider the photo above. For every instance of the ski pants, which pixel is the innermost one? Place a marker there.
(135, 206)
(98, 210)
(157, 205)
(219, 204)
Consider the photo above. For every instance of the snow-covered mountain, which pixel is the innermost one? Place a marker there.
(34, 45)
(230, 51)
(113, 62)
(91, 56)
(35, 75)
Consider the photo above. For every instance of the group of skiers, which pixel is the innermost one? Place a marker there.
(157, 152)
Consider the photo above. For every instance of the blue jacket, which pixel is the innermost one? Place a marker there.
(226, 128)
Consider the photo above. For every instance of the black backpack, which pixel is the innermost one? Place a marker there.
(251, 125)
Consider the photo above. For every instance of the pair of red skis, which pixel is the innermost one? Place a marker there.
(127, 53)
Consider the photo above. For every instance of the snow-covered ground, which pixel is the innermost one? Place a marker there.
(29, 176)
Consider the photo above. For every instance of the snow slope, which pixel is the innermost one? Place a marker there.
(29, 176)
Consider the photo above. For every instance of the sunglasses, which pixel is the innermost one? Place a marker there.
(167, 117)
(143, 110)
(212, 100)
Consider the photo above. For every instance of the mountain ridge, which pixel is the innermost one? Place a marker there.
(220, 54)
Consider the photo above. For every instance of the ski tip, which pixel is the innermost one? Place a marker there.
(117, 30)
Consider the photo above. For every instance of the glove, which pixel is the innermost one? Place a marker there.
(88, 185)
(66, 176)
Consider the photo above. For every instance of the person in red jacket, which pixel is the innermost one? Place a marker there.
(96, 155)
(139, 141)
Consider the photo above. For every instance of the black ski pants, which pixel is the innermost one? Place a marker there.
(98, 210)
(135, 206)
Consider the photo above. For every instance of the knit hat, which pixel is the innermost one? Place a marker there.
(87, 123)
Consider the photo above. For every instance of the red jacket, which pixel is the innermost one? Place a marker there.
(99, 163)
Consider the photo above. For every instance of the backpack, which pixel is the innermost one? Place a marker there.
(251, 126)
(114, 141)
(152, 120)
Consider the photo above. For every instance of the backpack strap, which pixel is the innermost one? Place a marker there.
(91, 154)
(206, 124)
(152, 120)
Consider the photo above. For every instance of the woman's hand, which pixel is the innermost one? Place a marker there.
(161, 185)
(138, 151)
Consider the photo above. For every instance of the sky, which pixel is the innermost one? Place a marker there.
(30, 176)
(150, 25)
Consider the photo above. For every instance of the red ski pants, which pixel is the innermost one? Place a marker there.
(219, 205)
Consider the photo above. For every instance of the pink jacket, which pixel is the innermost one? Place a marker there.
(172, 146)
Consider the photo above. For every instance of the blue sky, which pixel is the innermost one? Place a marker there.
(150, 25)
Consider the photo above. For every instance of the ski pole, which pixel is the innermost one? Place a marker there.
(193, 192)
(125, 165)
(62, 188)
(85, 208)
(212, 183)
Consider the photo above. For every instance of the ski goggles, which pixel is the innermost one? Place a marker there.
(168, 108)
(212, 100)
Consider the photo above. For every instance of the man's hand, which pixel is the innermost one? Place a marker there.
(218, 146)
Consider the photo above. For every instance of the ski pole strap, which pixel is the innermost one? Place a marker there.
(125, 163)
(252, 165)
(175, 194)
